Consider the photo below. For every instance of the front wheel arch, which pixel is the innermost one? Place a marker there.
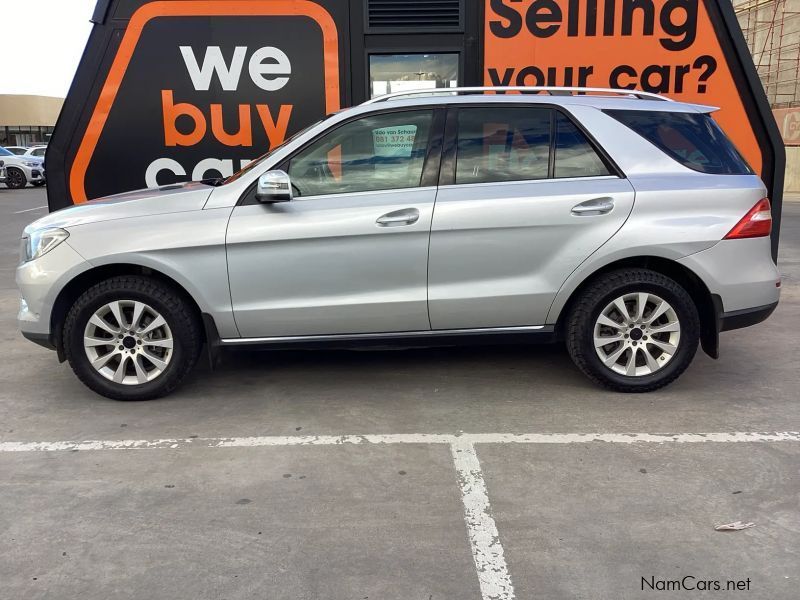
(708, 305)
(153, 331)
(12, 169)
(73, 290)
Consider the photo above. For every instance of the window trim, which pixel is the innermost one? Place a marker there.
(608, 177)
(449, 155)
(430, 165)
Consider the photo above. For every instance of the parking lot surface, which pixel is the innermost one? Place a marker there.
(240, 485)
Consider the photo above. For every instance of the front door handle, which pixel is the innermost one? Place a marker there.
(406, 216)
(595, 206)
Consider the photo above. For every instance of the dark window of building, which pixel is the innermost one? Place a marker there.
(502, 144)
(575, 156)
(379, 152)
(693, 139)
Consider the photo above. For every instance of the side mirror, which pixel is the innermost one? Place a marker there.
(274, 186)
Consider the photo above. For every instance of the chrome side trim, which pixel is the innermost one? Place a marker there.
(387, 336)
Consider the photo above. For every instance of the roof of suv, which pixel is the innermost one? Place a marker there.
(597, 98)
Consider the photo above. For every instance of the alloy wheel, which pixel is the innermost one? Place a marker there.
(128, 342)
(637, 334)
(15, 179)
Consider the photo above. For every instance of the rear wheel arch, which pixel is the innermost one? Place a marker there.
(707, 304)
(73, 290)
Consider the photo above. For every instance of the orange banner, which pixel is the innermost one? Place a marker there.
(664, 46)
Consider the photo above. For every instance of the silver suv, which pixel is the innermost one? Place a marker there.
(620, 222)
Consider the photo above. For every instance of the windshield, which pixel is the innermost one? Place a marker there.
(252, 165)
(4, 152)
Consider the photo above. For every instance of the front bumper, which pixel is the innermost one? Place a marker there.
(32, 174)
(40, 281)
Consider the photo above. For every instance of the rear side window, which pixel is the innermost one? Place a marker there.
(694, 140)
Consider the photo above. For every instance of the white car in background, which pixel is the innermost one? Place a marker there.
(18, 150)
(37, 151)
(21, 170)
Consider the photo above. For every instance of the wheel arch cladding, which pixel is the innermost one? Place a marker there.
(699, 292)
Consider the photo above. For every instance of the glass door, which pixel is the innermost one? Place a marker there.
(419, 71)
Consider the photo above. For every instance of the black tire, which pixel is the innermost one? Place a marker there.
(15, 178)
(179, 315)
(584, 313)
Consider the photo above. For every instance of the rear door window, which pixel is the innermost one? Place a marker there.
(522, 143)
(693, 139)
(502, 144)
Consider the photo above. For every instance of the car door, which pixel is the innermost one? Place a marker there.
(525, 197)
(348, 254)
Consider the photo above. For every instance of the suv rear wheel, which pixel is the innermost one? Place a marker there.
(131, 338)
(633, 330)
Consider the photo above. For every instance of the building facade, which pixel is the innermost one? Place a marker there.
(772, 31)
(27, 120)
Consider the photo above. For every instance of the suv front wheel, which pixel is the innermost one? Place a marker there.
(633, 330)
(15, 178)
(131, 338)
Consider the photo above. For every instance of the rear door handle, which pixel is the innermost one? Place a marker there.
(595, 206)
(406, 216)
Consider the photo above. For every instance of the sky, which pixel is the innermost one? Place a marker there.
(47, 37)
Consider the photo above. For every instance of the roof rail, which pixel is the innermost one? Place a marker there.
(553, 91)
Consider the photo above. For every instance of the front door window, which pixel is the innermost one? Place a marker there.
(378, 152)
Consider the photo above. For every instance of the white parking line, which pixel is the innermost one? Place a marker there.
(484, 539)
(407, 438)
(19, 212)
(487, 551)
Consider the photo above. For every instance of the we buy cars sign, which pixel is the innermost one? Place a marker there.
(199, 88)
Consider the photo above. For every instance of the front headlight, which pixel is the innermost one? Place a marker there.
(39, 243)
(32, 164)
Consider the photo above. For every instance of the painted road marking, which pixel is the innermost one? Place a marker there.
(406, 438)
(484, 539)
(19, 212)
(487, 551)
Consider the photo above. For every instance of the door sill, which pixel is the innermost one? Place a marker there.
(448, 337)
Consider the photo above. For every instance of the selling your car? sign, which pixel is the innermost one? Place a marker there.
(667, 47)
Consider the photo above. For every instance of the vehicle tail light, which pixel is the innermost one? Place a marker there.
(756, 223)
